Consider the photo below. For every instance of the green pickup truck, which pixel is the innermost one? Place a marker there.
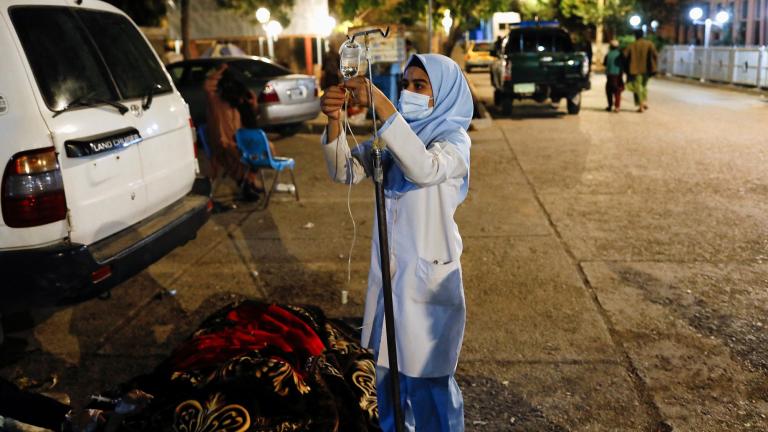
(538, 61)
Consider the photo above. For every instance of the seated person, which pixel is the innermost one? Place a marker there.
(231, 106)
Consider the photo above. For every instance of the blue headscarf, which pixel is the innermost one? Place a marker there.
(448, 121)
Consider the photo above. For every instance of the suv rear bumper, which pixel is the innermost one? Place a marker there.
(282, 113)
(562, 88)
(67, 272)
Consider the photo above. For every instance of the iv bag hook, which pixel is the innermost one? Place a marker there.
(383, 33)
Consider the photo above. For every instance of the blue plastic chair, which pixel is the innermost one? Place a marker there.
(256, 155)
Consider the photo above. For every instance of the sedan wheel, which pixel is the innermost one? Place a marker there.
(289, 129)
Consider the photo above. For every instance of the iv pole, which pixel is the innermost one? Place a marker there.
(381, 218)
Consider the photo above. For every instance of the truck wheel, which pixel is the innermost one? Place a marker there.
(497, 97)
(506, 106)
(574, 103)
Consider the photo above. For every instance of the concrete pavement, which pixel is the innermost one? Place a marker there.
(614, 270)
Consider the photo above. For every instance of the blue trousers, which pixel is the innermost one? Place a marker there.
(429, 404)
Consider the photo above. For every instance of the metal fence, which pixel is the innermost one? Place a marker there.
(743, 66)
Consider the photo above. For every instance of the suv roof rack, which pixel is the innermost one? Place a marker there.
(528, 24)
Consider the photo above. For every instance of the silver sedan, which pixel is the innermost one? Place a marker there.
(285, 99)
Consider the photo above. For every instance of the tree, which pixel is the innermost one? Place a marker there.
(279, 9)
(596, 13)
(466, 14)
(147, 13)
(185, 45)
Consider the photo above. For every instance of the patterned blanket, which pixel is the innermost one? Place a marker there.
(261, 367)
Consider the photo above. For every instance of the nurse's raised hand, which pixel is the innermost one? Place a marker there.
(358, 86)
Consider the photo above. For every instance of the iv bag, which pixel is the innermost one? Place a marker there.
(350, 54)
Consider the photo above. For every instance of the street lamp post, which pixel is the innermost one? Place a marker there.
(262, 16)
(273, 29)
(722, 17)
(326, 28)
(429, 26)
(447, 21)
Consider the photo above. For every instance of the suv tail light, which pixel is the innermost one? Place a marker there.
(32, 189)
(507, 70)
(269, 95)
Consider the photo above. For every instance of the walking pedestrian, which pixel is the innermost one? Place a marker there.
(614, 70)
(641, 59)
(426, 178)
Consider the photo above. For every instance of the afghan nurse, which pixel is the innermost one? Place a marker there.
(426, 162)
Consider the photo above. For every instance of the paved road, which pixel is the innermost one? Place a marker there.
(661, 218)
(614, 264)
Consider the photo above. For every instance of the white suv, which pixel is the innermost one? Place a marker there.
(99, 174)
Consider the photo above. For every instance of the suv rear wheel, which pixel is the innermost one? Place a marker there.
(574, 103)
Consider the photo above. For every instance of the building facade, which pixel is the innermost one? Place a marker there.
(747, 26)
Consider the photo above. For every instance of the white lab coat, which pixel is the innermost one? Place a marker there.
(425, 251)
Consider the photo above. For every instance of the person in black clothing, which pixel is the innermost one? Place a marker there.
(497, 46)
(32, 408)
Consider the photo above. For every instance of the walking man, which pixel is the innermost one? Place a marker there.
(641, 65)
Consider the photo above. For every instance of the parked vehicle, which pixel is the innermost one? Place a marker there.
(538, 61)
(99, 175)
(478, 55)
(285, 99)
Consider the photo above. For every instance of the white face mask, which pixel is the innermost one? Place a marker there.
(414, 106)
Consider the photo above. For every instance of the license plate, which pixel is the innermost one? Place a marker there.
(524, 88)
(297, 92)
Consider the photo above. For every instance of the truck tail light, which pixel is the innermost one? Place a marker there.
(33, 190)
(269, 95)
(507, 71)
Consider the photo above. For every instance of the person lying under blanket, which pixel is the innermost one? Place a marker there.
(253, 366)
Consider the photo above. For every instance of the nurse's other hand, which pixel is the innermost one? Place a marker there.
(332, 102)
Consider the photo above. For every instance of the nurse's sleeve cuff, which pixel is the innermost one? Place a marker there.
(387, 123)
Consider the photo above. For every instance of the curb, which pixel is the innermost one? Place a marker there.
(755, 91)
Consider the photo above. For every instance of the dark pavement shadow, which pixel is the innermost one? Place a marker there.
(491, 406)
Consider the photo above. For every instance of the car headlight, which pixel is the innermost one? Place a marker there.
(585, 67)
